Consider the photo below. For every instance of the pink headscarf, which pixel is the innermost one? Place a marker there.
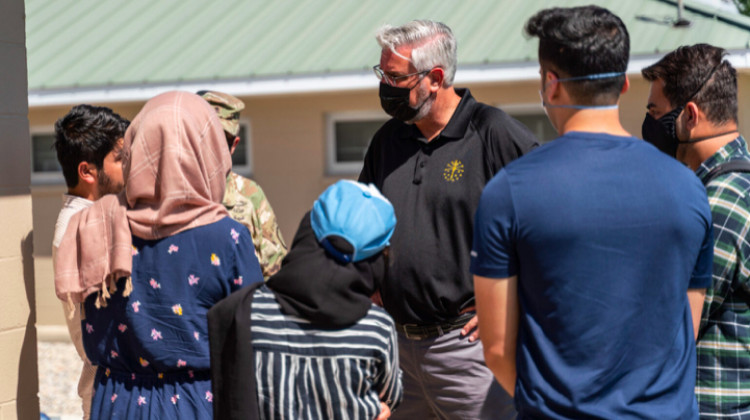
(176, 161)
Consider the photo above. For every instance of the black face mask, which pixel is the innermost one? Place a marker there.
(662, 132)
(395, 102)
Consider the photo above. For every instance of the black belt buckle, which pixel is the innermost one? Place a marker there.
(421, 332)
(405, 328)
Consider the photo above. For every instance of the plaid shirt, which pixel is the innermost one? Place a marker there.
(723, 376)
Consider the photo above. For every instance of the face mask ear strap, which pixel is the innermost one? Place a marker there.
(596, 76)
(707, 137)
(614, 106)
(703, 83)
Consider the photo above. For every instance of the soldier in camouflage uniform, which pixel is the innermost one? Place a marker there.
(243, 198)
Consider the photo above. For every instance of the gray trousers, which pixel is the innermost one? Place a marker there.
(446, 378)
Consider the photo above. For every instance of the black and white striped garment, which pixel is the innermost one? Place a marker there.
(305, 372)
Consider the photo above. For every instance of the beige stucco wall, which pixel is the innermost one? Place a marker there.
(289, 145)
(19, 385)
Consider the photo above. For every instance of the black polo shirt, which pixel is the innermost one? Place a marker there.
(435, 187)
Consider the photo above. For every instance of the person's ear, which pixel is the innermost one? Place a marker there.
(437, 78)
(551, 88)
(692, 115)
(87, 173)
(625, 86)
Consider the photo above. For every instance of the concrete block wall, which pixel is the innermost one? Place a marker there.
(19, 384)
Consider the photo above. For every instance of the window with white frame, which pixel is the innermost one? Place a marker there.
(348, 134)
(44, 164)
(533, 117)
(45, 167)
(242, 159)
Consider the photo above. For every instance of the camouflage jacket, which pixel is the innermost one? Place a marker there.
(247, 204)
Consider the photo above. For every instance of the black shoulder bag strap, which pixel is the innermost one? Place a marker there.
(726, 167)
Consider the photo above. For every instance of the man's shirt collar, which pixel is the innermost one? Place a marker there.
(730, 151)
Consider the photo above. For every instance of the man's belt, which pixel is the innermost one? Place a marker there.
(421, 332)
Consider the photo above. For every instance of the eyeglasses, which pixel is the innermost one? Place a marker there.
(393, 80)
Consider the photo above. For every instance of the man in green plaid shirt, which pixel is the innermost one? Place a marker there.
(692, 115)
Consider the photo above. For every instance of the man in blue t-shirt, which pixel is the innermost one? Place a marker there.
(592, 253)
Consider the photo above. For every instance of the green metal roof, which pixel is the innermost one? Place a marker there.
(98, 43)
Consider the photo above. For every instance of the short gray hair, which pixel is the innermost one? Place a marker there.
(433, 45)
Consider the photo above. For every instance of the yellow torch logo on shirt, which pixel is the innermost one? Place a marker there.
(453, 171)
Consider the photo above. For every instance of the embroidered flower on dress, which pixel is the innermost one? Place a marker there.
(160, 375)
(181, 363)
(107, 372)
(174, 398)
(238, 281)
(209, 396)
(177, 309)
(190, 373)
(235, 236)
(123, 327)
(215, 260)
(192, 280)
(114, 397)
(173, 248)
(155, 334)
(136, 305)
(89, 328)
(113, 354)
(154, 284)
(143, 362)
(141, 400)
(197, 335)
(135, 251)
(132, 376)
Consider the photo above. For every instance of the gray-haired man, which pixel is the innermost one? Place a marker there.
(432, 161)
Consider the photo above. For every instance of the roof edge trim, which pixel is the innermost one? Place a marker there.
(290, 85)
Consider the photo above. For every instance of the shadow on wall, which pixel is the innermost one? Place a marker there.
(27, 400)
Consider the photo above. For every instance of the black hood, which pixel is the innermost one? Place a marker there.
(313, 285)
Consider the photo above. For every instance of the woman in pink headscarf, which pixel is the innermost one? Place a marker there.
(146, 265)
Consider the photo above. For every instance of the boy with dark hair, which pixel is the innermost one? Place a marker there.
(84, 140)
(692, 115)
(88, 141)
(592, 253)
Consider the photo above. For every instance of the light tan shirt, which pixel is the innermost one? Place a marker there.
(71, 205)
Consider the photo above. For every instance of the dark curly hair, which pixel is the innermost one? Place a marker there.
(581, 41)
(700, 74)
(86, 134)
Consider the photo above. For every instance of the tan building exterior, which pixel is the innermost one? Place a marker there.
(18, 388)
(304, 71)
(305, 125)
(291, 137)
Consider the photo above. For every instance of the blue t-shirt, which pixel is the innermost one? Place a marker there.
(606, 234)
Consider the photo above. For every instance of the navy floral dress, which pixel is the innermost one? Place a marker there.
(151, 347)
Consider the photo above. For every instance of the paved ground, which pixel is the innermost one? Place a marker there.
(59, 370)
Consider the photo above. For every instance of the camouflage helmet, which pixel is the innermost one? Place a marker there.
(227, 106)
